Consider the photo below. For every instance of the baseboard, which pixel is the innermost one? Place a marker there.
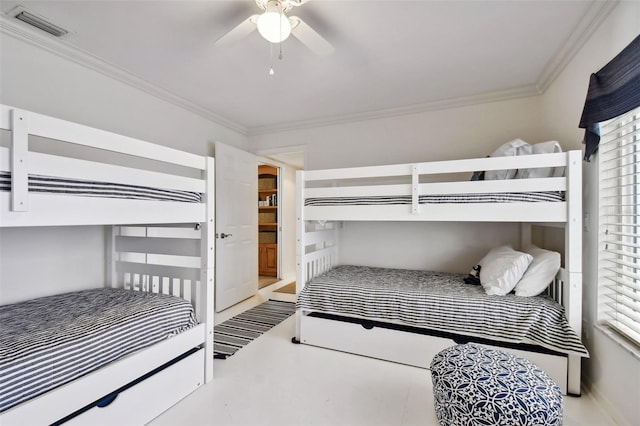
(605, 405)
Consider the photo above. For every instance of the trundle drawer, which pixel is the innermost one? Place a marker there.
(392, 345)
(405, 347)
(149, 398)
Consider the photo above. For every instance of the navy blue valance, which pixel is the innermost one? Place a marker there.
(613, 90)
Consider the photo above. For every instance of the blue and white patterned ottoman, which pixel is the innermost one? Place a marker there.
(475, 385)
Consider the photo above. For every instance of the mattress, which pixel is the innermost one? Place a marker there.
(497, 197)
(86, 188)
(47, 342)
(440, 301)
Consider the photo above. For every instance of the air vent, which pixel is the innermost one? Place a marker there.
(37, 21)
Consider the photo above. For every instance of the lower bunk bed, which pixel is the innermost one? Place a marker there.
(116, 355)
(408, 316)
(51, 341)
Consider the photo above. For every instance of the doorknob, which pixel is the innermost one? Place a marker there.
(223, 235)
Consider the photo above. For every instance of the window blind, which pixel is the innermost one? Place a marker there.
(619, 226)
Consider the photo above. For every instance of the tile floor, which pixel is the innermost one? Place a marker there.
(272, 381)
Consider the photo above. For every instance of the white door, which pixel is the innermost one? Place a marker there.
(236, 226)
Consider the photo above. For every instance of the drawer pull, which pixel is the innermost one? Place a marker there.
(107, 400)
(368, 325)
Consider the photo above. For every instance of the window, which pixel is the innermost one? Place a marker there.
(619, 228)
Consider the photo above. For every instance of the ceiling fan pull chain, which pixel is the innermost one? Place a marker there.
(271, 72)
(280, 23)
(280, 44)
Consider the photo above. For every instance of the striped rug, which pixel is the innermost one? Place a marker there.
(236, 332)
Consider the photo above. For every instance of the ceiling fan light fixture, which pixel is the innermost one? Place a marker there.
(273, 25)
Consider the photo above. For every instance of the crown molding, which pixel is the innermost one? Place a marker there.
(597, 12)
(81, 57)
(496, 96)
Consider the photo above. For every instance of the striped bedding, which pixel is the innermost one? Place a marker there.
(440, 301)
(497, 197)
(47, 342)
(64, 186)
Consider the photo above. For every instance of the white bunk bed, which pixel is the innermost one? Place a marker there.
(157, 248)
(434, 191)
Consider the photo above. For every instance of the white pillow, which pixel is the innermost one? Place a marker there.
(542, 172)
(514, 147)
(501, 269)
(541, 271)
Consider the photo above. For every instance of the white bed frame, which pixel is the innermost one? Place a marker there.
(156, 246)
(318, 228)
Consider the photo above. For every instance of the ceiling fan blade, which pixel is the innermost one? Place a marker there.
(242, 30)
(309, 37)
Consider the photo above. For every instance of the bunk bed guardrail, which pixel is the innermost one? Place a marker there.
(320, 188)
(24, 208)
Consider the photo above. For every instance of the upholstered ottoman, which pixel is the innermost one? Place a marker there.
(475, 385)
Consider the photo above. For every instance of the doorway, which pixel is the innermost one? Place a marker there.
(287, 161)
(268, 224)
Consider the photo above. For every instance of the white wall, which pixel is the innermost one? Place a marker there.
(613, 371)
(40, 261)
(426, 245)
(466, 132)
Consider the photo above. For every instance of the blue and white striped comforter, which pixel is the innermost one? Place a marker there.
(493, 197)
(86, 188)
(49, 341)
(440, 301)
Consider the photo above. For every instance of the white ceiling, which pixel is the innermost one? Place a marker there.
(389, 56)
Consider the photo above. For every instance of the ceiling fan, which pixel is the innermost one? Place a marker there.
(275, 26)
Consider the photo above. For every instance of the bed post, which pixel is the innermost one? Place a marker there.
(301, 266)
(573, 261)
(415, 189)
(112, 274)
(19, 160)
(526, 239)
(207, 272)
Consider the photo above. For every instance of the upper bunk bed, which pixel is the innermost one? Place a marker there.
(442, 191)
(41, 189)
(338, 303)
(126, 351)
